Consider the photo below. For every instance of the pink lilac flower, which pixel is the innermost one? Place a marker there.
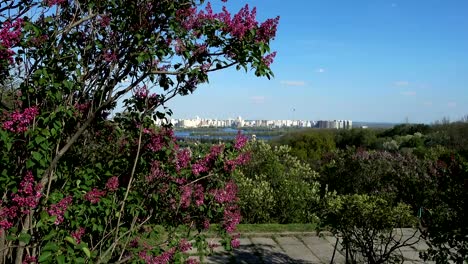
(240, 141)
(243, 158)
(206, 163)
(235, 243)
(78, 234)
(19, 121)
(186, 196)
(191, 261)
(231, 218)
(51, 3)
(205, 67)
(268, 59)
(198, 194)
(165, 257)
(183, 159)
(29, 259)
(7, 215)
(112, 184)
(179, 47)
(94, 196)
(159, 140)
(10, 33)
(206, 224)
(242, 22)
(134, 243)
(5, 224)
(59, 209)
(184, 245)
(141, 92)
(82, 108)
(199, 167)
(230, 165)
(156, 172)
(28, 194)
(228, 194)
(104, 21)
(110, 56)
(267, 30)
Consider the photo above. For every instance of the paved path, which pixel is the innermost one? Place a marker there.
(297, 248)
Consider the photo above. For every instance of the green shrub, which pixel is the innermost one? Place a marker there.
(368, 225)
(275, 187)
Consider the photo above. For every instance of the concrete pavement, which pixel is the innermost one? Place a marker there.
(297, 248)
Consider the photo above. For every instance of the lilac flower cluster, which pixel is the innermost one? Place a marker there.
(183, 159)
(94, 196)
(104, 21)
(164, 258)
(268, 59)
(159, 140)
(226, 195)
(198, 194)
(9, 36)
(240, 141)
(6, 215)
(58, 209)
(29, 194)
(26, 198)
(51, 3)
(267, 30)
(235, 243)
(112, 184)
(191, 261)
(242, 159)
(184, 245)
(186, 196)
(205, 164)
(231, 218)
(156, 172)
(29, 260)
(141, 92)
(237, 25)
(78, 234)
(20, 121)
(109, 56)
(82, 108)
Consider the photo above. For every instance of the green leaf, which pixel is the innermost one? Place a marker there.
(70, 240)
(60, 259)
(45, 256)
(51, 246)
(49, 236)
(24, 237)
(36, 155)
(86, 251)
(11, 238)
(79, 260)
(39, 139)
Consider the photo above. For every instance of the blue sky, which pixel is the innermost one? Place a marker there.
(365, 60)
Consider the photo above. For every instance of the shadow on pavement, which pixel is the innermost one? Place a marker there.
(261, 254)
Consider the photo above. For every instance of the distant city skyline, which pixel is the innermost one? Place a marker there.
(375, 61)
(240, 122)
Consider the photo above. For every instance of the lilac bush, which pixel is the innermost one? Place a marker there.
(79, 187)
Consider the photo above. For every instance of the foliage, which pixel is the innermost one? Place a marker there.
(367, 226)
(400, 177)
(444, 216)
(275, 187)
(78, 187)
(308, 146)
(406, 129)
(356, 137)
